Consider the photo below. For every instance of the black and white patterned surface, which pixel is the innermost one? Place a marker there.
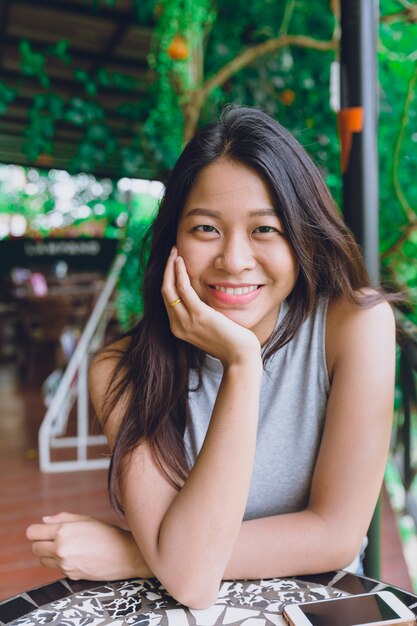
(138, 602)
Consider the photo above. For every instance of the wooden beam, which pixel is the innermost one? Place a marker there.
(105, 11)
(5, 6)
(110, 46)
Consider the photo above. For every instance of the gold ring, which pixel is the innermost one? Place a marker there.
(174, 302)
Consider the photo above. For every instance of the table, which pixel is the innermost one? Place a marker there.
(139, 602)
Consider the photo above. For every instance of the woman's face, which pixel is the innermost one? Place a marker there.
(237, 255)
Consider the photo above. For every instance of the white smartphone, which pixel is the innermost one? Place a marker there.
(367, 609)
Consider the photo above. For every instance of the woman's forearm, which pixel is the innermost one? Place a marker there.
(281, 545)
(291, 544)
(192, 545)
(131, 563)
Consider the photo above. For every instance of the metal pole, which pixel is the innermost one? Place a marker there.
(358, 126)
(358, 123)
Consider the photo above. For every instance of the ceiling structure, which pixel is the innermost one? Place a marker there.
(108, 37)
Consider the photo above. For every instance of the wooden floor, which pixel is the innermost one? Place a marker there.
(26, 495)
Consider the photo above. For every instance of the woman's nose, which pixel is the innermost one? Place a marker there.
(235, 256)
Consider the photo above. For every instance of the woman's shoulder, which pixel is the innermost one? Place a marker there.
(108, 358)
(369, 305)
(361, 325)
(104, 371)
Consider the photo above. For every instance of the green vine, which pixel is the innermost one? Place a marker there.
(273, 55)
(7, 96)
(176, 77)
(408, 210)
(46, 110)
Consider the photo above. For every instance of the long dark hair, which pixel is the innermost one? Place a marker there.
(152, 374)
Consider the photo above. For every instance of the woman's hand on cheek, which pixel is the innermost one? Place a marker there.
(197, 323)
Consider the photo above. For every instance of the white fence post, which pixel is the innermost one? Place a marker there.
(56, 417)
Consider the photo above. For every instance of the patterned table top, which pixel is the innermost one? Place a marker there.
(138, 602)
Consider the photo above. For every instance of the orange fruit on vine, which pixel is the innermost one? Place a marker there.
(287, 97)
(178, 48)
(158, 11)
(44, 159)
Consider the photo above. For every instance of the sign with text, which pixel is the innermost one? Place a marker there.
(80, 254)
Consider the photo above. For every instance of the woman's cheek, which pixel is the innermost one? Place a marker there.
(184, 250)
(196, 285)
(191, 255)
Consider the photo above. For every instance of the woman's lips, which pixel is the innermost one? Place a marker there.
(236, 294)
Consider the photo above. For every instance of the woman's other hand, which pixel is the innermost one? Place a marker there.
(82, 547)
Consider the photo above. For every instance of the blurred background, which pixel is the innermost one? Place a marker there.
(97, 98)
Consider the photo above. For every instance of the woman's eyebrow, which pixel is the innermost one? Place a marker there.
(204, 212)
(217, 214)
(261, 212)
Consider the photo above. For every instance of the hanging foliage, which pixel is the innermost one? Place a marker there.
(398, 148)
(274, 55)
(177, 57)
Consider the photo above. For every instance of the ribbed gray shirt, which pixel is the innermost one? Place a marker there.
(293, 399)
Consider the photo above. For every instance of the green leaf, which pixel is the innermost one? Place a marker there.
(91, 88)
(60, 51)
(82, 76)
(103, 77)
(33, 63)
(7, 95)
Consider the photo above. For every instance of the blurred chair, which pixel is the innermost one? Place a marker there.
(8, 319)
(43, 322)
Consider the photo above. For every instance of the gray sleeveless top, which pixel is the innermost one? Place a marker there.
(293, 399)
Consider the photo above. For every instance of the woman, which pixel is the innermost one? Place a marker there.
(249, 411)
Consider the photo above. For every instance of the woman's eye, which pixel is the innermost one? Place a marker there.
(205, 228)
(266, 229)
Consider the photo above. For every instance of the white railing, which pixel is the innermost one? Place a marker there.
(73, 388)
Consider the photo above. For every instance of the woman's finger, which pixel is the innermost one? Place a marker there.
(41, 532)
(171, 286)
(49, 562)
(63, 516)
(169, 289)
(183, 283)
(44, 549)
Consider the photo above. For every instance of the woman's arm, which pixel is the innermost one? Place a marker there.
(186, 537)
(350, 465)
(346, 482)
(351, 461)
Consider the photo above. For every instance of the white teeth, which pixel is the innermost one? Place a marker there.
(238, 291)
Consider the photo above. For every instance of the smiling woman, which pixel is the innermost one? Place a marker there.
(238, 257)
(241, 409)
